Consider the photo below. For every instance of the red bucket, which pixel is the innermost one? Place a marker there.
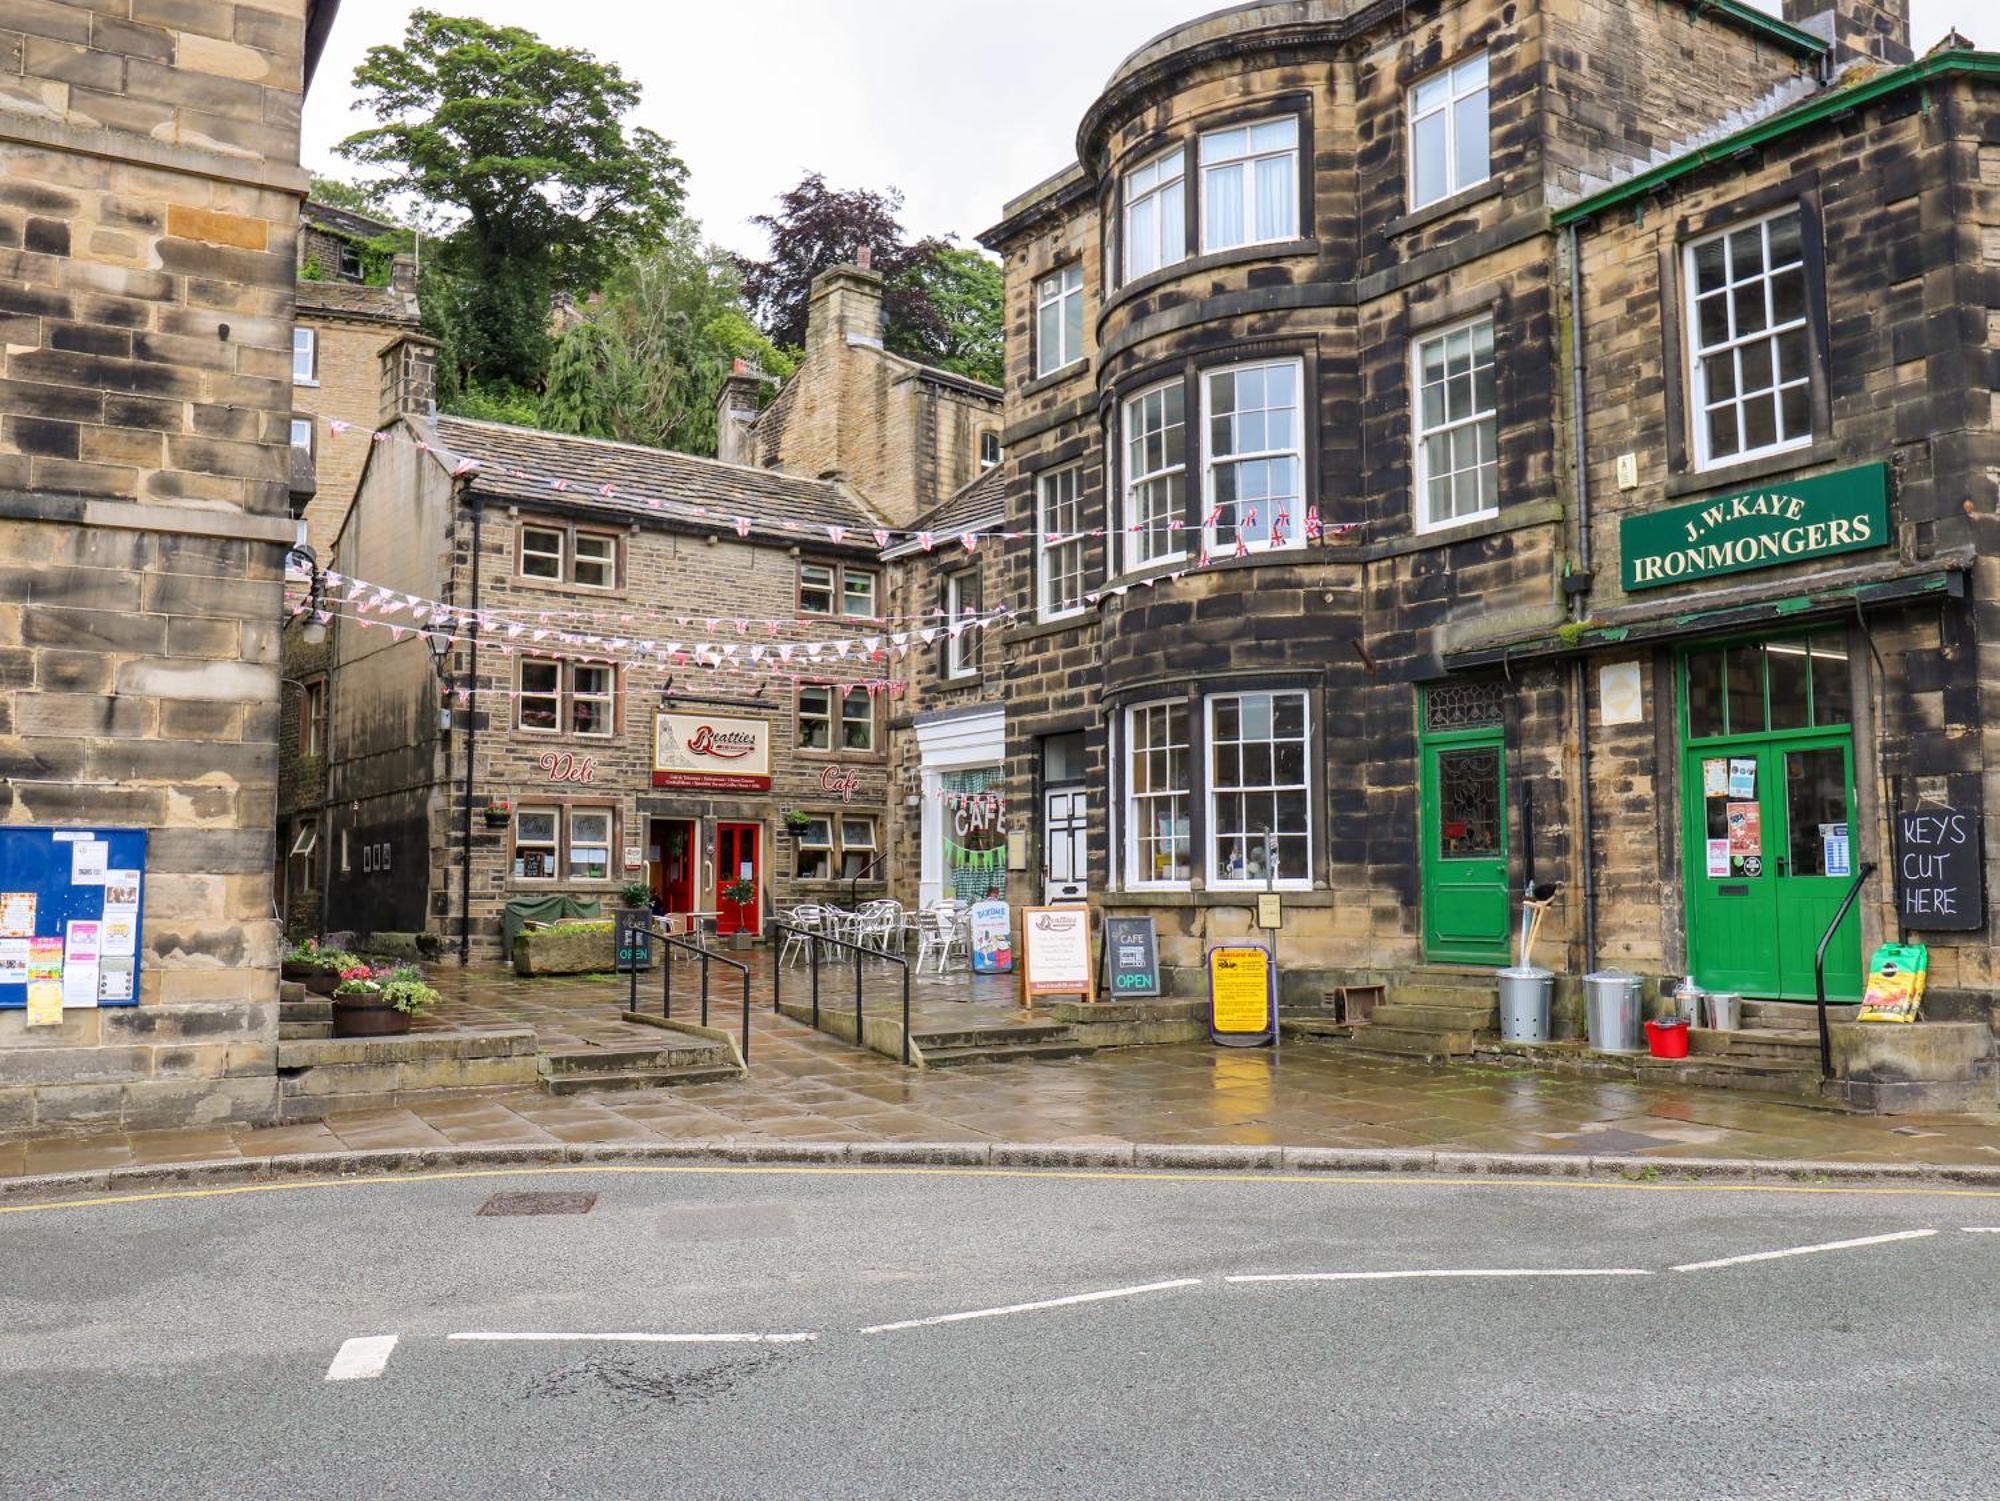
(1667, 1039)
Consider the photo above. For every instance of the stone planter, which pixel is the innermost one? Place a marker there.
(322, 981)
(565, 953)
(367, 1016)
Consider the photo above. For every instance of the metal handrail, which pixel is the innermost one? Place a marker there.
(861, 951)
(1819, 968)
(669, 942)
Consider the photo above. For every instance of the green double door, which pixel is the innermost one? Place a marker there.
(1769, 816)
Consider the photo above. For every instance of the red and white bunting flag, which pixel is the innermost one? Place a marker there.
(558, 484)
(1214, 519)
(742, 526)
(1313, 528)
(924, 540)
(1280, 526)
(881, 537)
(464, 467)
(1202, 561)
(606, 491)
(336, 426)
(742, 627)
(971, 541)
(837, 534)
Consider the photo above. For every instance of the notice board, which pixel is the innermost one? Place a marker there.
(1132, 955)
(1940, 877)
(1242, 996)
(1055, 952)
(72, 906)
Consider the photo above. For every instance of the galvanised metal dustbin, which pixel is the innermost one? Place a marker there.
(1525, 997)
(1611, 1012)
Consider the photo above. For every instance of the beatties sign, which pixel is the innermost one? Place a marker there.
(710, 753)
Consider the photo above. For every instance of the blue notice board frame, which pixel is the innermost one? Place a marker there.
(39, 861)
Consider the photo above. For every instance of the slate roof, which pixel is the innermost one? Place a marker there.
(518, 463)
(978, 504)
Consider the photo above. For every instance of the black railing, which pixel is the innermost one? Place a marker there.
(668, 943)
(854, 881)
(1819, 968)
(861, 951)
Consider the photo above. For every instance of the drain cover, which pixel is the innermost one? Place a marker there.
(538, 1203)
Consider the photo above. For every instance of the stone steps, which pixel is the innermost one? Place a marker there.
(1788, 1045)
(1774, 1076)
(290, 1031)
(638, 1078)
(688, 1060)
(1793, 1015)
(1402, 1042)
(1316, 1026)
(1414, 1017)
(995, 1036)
(996, 1052)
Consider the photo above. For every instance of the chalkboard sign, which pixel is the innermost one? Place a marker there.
(1940, 878)
(1132, 955)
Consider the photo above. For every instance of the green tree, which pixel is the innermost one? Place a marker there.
(522, 144)
(966, 291)
(649, 364)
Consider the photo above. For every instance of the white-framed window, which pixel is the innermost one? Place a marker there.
(814, 847)
(823, 586)
(857, 720)
(1259, 789)
(1450, 131)
(590, 844)
(815, 713)
(1158, 839)
(1250, 184)
(1156, 214)
(565, 555)
(302, 433)
(312, 718)
(580, 697)
(835, 846)
(1059, 319)
(543, 550)
(1752, 370)
(1155, 473)
(305, 356)
(1253, 472)
(1059, 542)
(989, 449)
(1456, 426)
(595, 564)
(535, 843)
(961, 604)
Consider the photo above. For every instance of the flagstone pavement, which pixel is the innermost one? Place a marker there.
(804, 1086)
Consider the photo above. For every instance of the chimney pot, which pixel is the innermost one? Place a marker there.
(866, 258)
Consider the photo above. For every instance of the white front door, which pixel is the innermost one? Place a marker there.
(1065, 858)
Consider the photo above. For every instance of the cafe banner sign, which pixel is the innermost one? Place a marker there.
(1847, 511)
(711, 754)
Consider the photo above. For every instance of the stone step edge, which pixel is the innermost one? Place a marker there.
(498, 1161)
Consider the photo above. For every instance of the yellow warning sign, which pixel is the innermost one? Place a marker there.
(1239, 991)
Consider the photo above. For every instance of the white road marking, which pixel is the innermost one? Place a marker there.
(362, 1359)
(994, 1313)
(640, 1338)
(1832, 1245)
(1982, 1229)
(1588, 1271)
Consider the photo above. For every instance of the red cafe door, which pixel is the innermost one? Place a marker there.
(735, 859)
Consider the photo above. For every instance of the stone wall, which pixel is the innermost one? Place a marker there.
(149, 196)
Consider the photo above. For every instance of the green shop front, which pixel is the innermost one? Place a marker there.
(1771, 834)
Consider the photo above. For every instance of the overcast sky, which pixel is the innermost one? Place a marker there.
(959, 103)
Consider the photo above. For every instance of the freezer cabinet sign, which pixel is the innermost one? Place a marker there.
(710, 753)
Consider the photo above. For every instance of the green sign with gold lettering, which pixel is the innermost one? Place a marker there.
(1784, 522)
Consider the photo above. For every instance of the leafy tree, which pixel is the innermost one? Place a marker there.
(521, 144)
(816, 228)
(649, 364)
(966, 291)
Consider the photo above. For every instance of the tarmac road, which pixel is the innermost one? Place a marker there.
(199, 1346)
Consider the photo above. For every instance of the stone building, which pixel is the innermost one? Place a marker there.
(149, 199)
(1289, 425)
(563, 665)
(356, 301)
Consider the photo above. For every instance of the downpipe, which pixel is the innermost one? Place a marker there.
(1580, 480)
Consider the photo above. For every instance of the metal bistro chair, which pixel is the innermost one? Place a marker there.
(878, 925)
(941, 933)
(804, 921)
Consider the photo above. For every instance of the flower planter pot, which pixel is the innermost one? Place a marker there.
(496, 817)
(1667, 1039)
(367, 1016)
(322, 981)
(291, 971)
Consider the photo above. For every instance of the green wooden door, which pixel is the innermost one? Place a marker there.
(1769, 815)
(1464, 833)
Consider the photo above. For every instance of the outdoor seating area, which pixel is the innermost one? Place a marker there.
(942, 932)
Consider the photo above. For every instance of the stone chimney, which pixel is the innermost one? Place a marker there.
(409, 377)
(403, 273)
(736, 414)
(846, 307)
(1876, 31)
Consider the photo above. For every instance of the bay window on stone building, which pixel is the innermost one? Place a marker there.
(1252, 461)
(1250, 184)
(1156, 214)
(1155, 476)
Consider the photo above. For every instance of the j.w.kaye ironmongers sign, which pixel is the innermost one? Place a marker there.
(1847, 511)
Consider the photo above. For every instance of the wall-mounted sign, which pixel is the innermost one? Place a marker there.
(1132, 955)
(567, 766)
(1940, 886)
(1847, 511)
(709, 753)
(1055, 951)
(71, 911)
(1242, 996)
(841, 779)
(1270, 910)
